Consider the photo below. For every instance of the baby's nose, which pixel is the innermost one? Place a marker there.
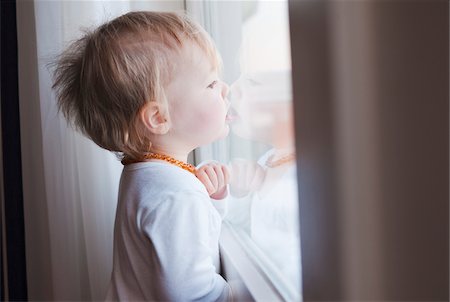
(235, 93)
(225, 89)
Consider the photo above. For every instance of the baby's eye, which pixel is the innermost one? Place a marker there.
(212, 85)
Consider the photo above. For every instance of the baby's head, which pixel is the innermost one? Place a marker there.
(262, 102)
(130, 85)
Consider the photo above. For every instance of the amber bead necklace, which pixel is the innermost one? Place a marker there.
(282, 160)
(183, 165)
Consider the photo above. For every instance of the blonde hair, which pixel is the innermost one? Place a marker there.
(104, 79)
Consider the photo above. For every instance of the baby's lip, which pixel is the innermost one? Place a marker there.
(231, 118)
(232, 115)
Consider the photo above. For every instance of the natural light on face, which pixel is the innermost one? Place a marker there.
(264, 203)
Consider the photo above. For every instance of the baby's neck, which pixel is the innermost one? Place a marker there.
(181, 156)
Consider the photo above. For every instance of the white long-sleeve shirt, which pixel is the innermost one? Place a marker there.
(166, 237)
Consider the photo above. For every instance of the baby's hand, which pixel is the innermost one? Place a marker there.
(247, 177)
(215, 177)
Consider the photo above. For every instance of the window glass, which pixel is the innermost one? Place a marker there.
(263, 206)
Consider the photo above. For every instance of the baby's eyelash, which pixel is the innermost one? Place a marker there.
(212, 84)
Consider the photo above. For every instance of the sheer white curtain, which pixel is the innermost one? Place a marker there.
(70, 184)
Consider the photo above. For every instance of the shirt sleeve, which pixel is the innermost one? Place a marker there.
(181, 231)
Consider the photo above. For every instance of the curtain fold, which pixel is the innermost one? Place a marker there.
(71, 185)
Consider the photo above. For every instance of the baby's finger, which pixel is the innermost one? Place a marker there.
(258, 177)
(227, 174)
(203, 177)
(220, 177)
(212, 176)
(248, 173)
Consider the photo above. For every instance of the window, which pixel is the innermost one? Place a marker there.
(263, 220)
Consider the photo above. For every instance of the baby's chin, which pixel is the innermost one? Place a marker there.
(242, 131)
(260, 135)
(225, 132)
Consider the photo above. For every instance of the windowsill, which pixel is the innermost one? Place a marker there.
(248, 272)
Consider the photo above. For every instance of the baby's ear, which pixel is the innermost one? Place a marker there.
(154, 119)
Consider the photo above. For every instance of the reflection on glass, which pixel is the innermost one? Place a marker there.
(264, 206)
(264, 191)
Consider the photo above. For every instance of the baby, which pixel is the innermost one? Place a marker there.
(146, 86)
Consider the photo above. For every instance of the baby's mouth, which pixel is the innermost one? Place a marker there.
(232, 115)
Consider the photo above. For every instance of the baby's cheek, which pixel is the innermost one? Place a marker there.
(209, 117)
